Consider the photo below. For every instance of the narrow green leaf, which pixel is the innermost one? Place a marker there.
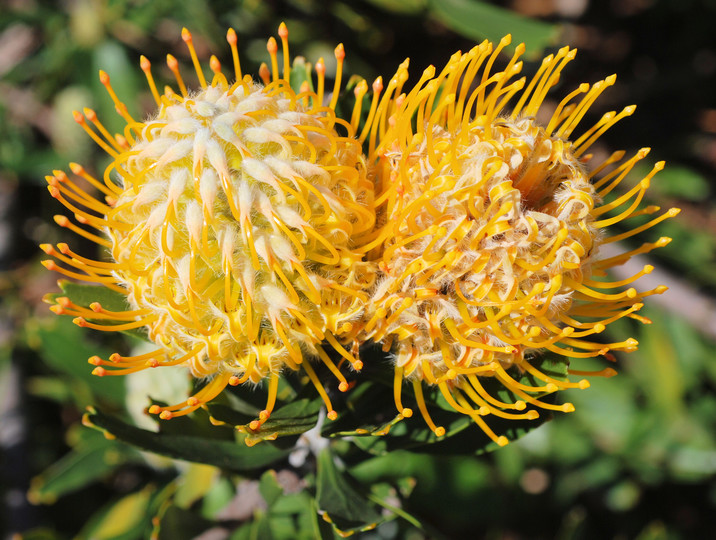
(92, 460)
(123, 519)
(294, 418)
(479, 20)
(339, 501)
(235, 456)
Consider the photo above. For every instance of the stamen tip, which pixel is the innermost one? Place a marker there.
(340, 52)
(166, 415)
(568, 407)
(502, 440)
(439, 431)
(231, 36)
(186, 35)
(154, 409)
(332, 415)
(406, 412)
(343, 386)
(584, 384)
(283, 30)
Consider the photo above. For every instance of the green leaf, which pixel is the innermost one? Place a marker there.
(84, 295)
(196, 481)
(377, 434)
(269, 487)
(63, 347)
(121, 520)
(177, 523)
(294, 418)
(230, 455)
(480, 20)
(93, 459)
(339, 501)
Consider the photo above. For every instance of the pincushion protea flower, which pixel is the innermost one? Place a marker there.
(231, 219)
(491, 232)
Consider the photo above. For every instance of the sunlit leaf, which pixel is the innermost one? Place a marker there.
(339, 501)
(480, 20)
(229, 455)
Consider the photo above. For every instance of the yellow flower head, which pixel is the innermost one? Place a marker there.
(231, 219)
(492, 225)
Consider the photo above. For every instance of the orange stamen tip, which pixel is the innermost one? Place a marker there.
(154, 409)
(231, 36)
(631, 293)
(332, 415)
(64, 248)
(90, 114)
(674, 212)
(358, 365)
(502, 440)
(599, 327)
(62, 221)
(254, 425)
(320, 67)
(77, 115)
(186, 35)
(166, 415)
(152, 363)
(94, 360)
(64, 301)
(584, 384)
(214, 64)
(406, 412)
(99, 371)
(76, 168)
(47, 248)
(172, 62)
(57, 310)
(234, 380)
(115, 357)
(62, 175)
(567, 407)
(54, 191)
(192, 402)
(520, 405)
(50, 265)
(144, 63)
(532, 415)
(609, 372)
(272, 46)
(484, 410)
(96, 307)
(378, 84)
(343, 387)
(439, 431)
(283, 30)
(103, 77)
(551, 387)
(340, 52)
(263, 415)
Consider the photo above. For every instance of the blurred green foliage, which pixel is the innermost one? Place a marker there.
(636, 460)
